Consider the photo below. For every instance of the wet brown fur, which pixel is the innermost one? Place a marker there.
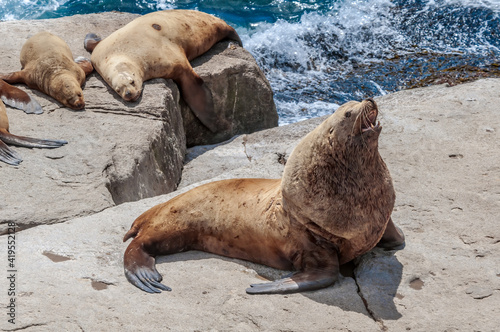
(333, 203)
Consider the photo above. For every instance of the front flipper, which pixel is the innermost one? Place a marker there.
(17, 98)
(29, 142)
(140, 269)
(298, 282)
(91, 41)
(393, 237)
(9, 156)
(85, 64)
(198, 97)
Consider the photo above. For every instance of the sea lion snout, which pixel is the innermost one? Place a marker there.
(366, 120)
(78, 105)
(131, 95)
(126, 86)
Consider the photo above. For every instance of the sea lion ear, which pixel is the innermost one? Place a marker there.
(85, 64)
(199, 99)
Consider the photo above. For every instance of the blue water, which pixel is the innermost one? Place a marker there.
(319, 54)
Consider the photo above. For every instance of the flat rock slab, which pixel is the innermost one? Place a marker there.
(440, 144)
(117, 151)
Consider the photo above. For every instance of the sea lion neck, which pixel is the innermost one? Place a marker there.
(335, 175)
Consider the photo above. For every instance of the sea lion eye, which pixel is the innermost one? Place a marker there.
(331, 130)
(348, 114)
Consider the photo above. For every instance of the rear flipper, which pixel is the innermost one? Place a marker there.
(17, 98)
(393, 237)
(85, 64)
(9, 156)
(91, 41)
(199, 98)
(140, 269)
(29, 142)
(298, 282)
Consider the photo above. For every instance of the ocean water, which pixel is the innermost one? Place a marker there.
(320, 54)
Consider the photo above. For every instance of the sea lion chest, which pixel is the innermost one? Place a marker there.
(345, 196)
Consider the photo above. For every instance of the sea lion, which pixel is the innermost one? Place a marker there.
(160, 45)
(48, 66)
(333, 203)
(7, 155)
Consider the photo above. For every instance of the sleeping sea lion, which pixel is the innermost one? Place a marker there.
(48, 66)
(160, 45)
(333, 204)
(6, 154)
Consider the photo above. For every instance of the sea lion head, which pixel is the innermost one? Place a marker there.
(69, 92)
(354, 124)
(126, 82)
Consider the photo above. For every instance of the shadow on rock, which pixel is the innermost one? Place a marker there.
(378, 275)
(367, 286)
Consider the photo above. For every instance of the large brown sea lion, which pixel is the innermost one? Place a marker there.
(160, 45)
(48, 66)
(334, 203)
(17, 97)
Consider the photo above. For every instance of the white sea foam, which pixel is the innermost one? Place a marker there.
(294, 111)
(490, 4)
(164, 4)
(316, 56)
(27, 9)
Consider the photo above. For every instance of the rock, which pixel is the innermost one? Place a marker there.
(378, 275)
(478, 292)
(70, 275)
(240, 91)
(117, 151)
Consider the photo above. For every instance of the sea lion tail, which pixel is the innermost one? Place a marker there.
(90, 42)
(9, 156)
(17, 98)
(29, 142)
(132, 232)
(135, 228)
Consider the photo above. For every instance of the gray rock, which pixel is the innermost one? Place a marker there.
(117, 151)
(242, 95)
(478, 292)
